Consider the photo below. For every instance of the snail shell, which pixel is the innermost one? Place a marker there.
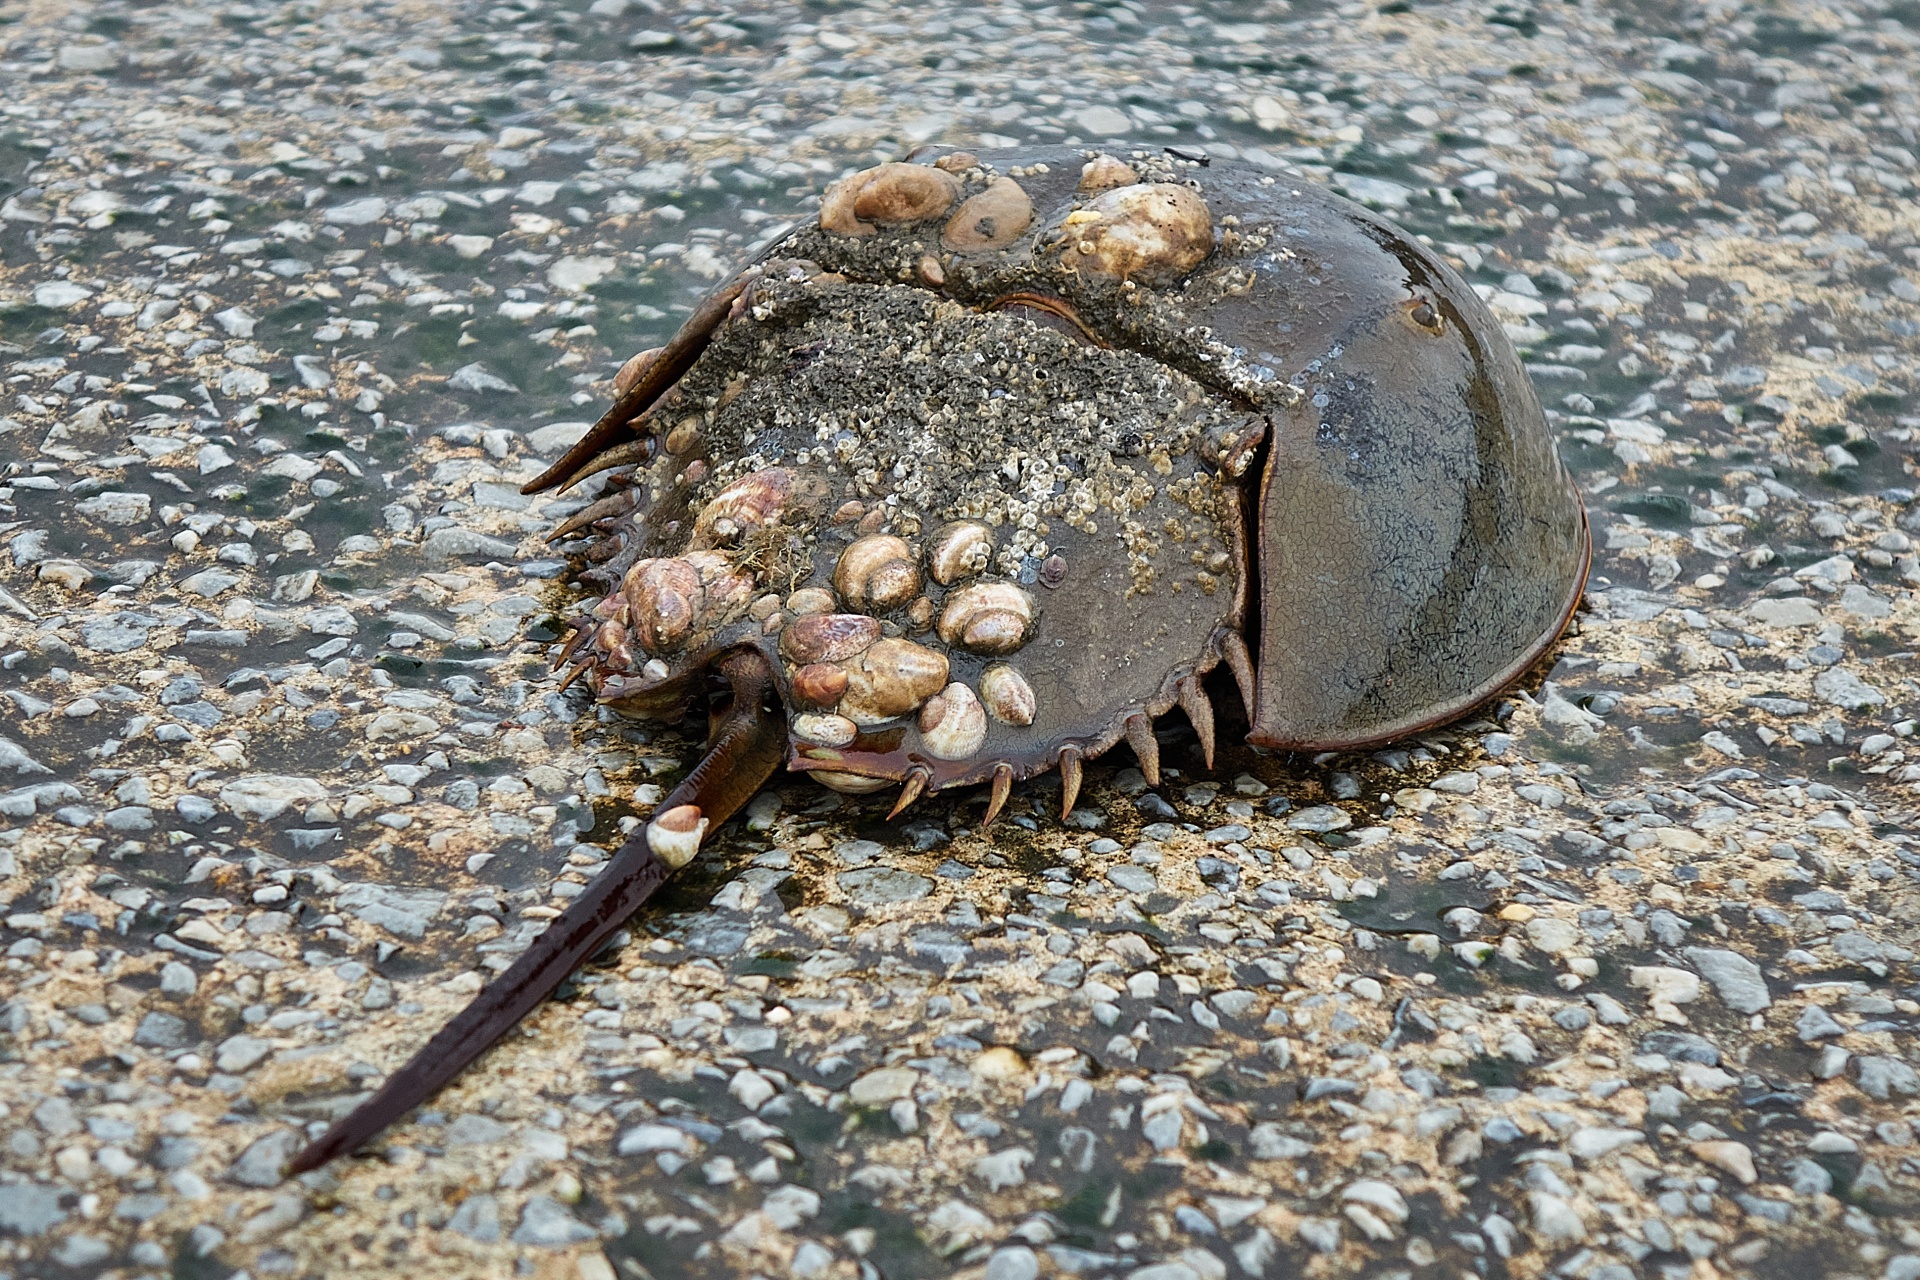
(959, 550)
(812, 600)
(952, 724)
(891, 679)
(886, 194)
(1104, 172)
(1007, 695)
(1150, 231)
(877, 572)
(993, 219)
(819, 684)
(663, 599)
(828, 637)
(676, 834)
(987, 617)
(751, 502)
(824, 730)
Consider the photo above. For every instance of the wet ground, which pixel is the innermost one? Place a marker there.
(1613, 981)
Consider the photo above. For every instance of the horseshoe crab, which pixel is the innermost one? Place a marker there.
(988, 467)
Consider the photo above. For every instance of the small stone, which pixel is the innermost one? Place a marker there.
(241, 1053)
(1816, 1023)
(1839, 687)
(476, 379)
(1103, 122)
(1555, 1219)
(646, 1139)
(1552, 935)
(1003, 1169)
(28, 1208)
(453, 542)
(400, 726)
(550, 1224)
(877, 1088)
(264, 1163)
(1736, 979)
(116, 508)
(356, 213)
(883, 886)
(1594, 1142)
(1016, 1262)
(575, 275)
(1320, 818)
(477, 1218)
(1730, 1157)
(60, 295)
(1883, 1077)
(262, 797)
(162, 1031)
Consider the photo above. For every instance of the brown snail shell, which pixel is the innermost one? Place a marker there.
(959, 550)
(676, 834)
(877, 572)
(953, 725)
(890, 679)
(987, 617)
(751, 502)
(1007, 695)
(663, 600)
(828, 637)
(823, 729)
(819, 684)
(812, 600)
(886, 194)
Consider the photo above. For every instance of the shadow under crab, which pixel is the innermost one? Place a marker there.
(987, 470)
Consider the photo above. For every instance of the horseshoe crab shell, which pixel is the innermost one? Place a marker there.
(1189, 414)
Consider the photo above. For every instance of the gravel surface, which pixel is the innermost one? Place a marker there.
(1614, 981)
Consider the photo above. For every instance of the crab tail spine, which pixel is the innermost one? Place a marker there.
(915, 787)
(997, 798)
(1145, 745)
(748, 745)
(1193, 700)
(1071, 774)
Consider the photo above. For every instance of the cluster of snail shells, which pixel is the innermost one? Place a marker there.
(848, 673)
(1128, 229)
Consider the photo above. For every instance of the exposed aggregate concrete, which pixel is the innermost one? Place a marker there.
(1616, 980)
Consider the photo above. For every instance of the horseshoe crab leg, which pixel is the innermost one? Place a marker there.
(747, 745)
